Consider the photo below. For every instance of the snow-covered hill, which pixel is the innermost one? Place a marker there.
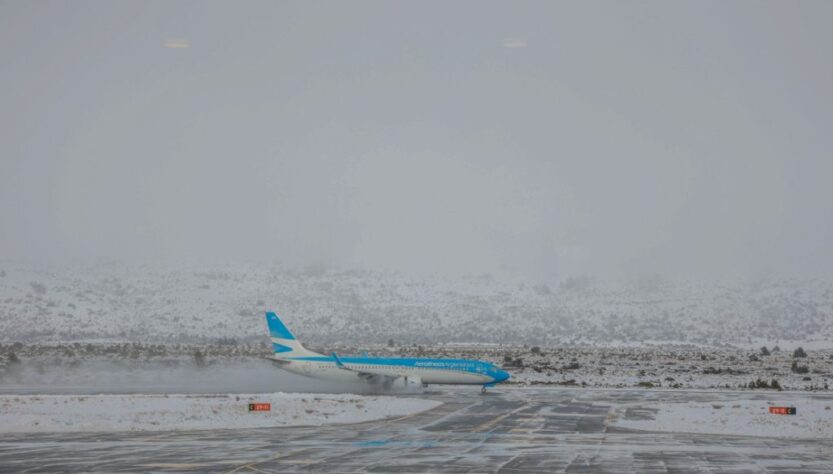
(134, 303)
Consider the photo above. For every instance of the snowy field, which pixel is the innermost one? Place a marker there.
(181, 304)
(74, 413)
(65, 325)
(142, 368)
(742, 417)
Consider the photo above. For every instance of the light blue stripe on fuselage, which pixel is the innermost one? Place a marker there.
(462, 365)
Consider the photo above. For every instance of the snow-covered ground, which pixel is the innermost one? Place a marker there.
(328, 306)
(681, 367)
(71, 413)
(813, 418)
(651, 332)
(154, 368)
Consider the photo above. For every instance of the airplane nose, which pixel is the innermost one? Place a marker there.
(502, 376)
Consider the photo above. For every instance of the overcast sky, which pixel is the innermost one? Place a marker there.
(541, 139)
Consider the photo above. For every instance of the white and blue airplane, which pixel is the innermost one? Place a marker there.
(380, 371)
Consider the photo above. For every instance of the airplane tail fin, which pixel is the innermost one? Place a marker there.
(284, 344)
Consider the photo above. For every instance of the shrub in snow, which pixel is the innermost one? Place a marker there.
(799, 353)
(799, 369)
(199, 359)
(763, 384)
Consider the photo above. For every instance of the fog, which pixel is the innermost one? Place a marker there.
(166, 376)
(540, 139)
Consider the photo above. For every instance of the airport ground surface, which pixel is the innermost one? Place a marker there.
(505, 430)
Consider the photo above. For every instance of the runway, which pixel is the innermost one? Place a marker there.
(504, 431)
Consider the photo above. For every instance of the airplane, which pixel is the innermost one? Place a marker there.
(385, 372)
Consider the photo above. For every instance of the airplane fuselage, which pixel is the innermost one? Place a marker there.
(384, 371)
(429, 371)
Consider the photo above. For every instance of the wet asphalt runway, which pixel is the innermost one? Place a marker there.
(505, 431)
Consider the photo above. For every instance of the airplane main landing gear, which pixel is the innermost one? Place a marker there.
(483, 388)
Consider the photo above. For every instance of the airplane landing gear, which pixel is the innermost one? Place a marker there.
(483, 389)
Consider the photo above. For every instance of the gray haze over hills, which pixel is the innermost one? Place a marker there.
(538, 139)
(108, 303)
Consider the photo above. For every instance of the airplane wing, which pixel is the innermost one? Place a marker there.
(370, 377)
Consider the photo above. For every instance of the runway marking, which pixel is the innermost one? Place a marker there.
(256, 469)
(494, 421)
(273, 458)
(175, 465)
(524, 430)
(412, 415)
(155, 437)
(376, 424)
(370, 443)
(247, 466)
